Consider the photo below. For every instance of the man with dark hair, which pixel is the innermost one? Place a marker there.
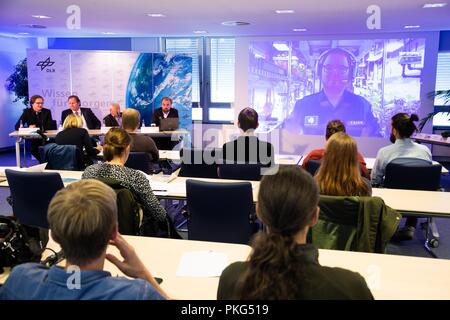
(36, 117)
(332, 127)
(248, 148)
(83, 221)
(165, 111)
(336, 69)
(90, 120)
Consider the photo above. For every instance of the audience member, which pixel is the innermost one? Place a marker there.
(73, 134)
(248, 148)
(332, 127)
(114, 118)
(282, 265)
(90, 121)
(139, 143)
(83, 220)
(115, 153)
(403, 151)
(339, 173)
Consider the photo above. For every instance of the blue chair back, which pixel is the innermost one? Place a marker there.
(240, 171)
(140, 161)
(413, 176)
(199, 163)
(220, 212)
(31, 193)
(312, 166)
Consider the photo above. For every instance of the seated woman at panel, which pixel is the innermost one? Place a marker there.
(339, 173)
(282, 265)
(74, 134)
(402, 151)
(139, 143)
(115, 152)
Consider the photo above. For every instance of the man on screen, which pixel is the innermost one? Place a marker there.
(335, 101)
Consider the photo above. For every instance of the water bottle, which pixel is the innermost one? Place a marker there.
(143, 123)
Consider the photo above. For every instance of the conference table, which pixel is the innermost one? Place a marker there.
(431, 139)
(154, 132)
(190, 269)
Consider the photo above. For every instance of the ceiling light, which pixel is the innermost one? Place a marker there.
(33, 26)
(156, 15)
(23, 33)
(200, 31)
(235, 23)
(299, 30)
(284, 11)
(434, 5)
(40, 16)
(411, 27)
(281, 46)
(108, 33)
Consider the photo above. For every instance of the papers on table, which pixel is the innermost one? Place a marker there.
(202, 264)
(37, 168)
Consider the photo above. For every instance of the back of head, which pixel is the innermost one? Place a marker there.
(404, 124)
(248, 119)
(82, 218)
(72, 121)
(286, 204)
(116, 142)
(334, 126)
(339, 173)
(130, 119)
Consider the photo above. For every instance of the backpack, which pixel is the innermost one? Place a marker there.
(16, 246)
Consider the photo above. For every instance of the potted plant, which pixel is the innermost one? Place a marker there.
(17, 82)
(445, 95)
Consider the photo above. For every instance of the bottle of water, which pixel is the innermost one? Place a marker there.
(143, 123)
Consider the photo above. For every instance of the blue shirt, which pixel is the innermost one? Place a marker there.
(312, 113)
(402, 151)
(33, 281)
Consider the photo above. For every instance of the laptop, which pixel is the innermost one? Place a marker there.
(168, 124)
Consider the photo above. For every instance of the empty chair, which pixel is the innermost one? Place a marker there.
(199, 163)
(354, 224)
(416, 174)
(31, 194)
(221, 212)
(140, 161)
(312, 166)
(237, 171)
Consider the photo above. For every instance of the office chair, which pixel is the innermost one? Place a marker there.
(31, 194)
(221, 212)
(416, 174)
(199, 163)
(238, 171)
(140, 161)
(312, 166)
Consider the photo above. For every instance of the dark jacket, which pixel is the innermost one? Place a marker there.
(110, 121)
(142, 143)
(42, 119)
(249, 149)
(78, 137)
(60, 157)
(92, 121)
(158, 115)
(318, 283)
(354, 223)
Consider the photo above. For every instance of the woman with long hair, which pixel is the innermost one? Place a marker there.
(282, 265)
(339, 173)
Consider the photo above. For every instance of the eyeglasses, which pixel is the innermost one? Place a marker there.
(338, 69)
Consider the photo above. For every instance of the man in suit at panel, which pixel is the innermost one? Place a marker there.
(36, 117)
(90, 121)
(166, 111)
(248, 148)
(114, 118)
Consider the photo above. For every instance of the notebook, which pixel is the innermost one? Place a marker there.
(168, 124)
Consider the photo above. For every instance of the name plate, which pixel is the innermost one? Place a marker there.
(105, 129)
(149, 129)
(28, 130)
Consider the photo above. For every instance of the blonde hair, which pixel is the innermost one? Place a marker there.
(72, 121)
(339, 173)
(82, 217)
(130, 119)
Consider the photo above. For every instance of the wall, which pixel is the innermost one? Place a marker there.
(12, 51)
